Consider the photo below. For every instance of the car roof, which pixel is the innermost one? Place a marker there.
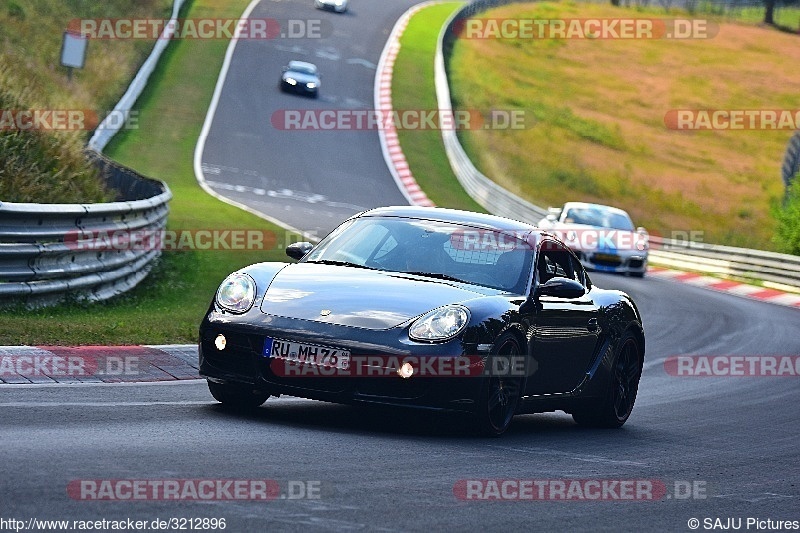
(301, 64)
(586, 205)
(466, 218)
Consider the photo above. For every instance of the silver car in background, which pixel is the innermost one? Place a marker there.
(340, 6)
(604, 238)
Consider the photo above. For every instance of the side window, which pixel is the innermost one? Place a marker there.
(580, 273)
(555, 261)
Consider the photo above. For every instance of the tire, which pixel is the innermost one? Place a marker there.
(237, 397)
(499, 396)
(637, 274)
(613, 410)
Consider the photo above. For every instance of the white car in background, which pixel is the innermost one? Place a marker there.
(603, 237)
(340, 6)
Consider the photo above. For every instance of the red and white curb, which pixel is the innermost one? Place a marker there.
(392, 153)
(25, 365)
(736, 288)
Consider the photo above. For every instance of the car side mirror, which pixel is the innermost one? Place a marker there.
(561, 287)
(298, 250)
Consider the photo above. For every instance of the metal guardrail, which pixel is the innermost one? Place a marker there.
(726, 261)
(50, 250)
(772, 267)
(483, 190)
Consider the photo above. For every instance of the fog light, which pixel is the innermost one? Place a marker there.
(220, 342)
(405, 371)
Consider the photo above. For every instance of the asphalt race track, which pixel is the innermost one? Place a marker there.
(310, 180)
(396, 470)
(733, 439)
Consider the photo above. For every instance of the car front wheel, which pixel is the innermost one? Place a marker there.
(500, 394)
(237, 397)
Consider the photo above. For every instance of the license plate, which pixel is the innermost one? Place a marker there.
(307, 353)
(607, 257)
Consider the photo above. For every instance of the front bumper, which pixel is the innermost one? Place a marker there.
(242, 361)
(613, 262)
(300, 88)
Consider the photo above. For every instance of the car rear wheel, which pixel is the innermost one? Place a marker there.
(613, 410)
(238, 397)
(499, 394)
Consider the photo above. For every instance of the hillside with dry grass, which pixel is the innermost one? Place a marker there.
(595, 116)
(48, 166)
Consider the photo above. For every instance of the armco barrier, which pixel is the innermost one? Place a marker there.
(713, 259)
(39, 261)
(487, 193)
(726, 261)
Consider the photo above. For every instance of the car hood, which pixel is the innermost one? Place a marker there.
(596, 238)
(356, 297)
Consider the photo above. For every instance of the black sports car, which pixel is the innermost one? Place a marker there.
(427, 308)
(300, 77)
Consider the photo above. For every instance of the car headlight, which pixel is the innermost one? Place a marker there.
(237, 293)
(642, 242)
(440, 324)
(291, 81)
(311, 85)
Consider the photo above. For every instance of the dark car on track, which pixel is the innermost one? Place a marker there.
(300, 77)
(427, 308)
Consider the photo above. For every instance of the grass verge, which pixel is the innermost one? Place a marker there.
(168, 305)
(413, 88)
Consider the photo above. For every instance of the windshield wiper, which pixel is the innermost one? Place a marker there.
(340, 263)
(437, 275)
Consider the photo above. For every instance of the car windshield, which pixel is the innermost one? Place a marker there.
(302, 69)
(434, 249)
(598, 216)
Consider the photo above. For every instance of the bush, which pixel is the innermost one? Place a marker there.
(787, 233)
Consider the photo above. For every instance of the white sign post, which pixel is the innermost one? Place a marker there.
(73, 51)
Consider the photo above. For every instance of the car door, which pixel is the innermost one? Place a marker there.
(565, 330)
